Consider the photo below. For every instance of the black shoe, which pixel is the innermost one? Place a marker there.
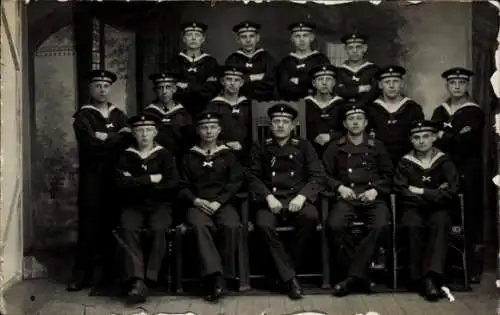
(294, 290)
(137, 292)
(430, 290)
(216, 288)
(78, 283)
(345, 287)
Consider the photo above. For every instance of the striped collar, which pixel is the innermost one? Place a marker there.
(250, 56)
(157, 108)
(356, 69)
(323, 105)
(195, 59)
(103, 114)
(230, 103)
(392, 108)
(453, 109)
(205, 153)
(437, 155)
(302, 57)
(144, 155)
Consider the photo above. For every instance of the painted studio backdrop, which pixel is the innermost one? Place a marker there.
(135, 39)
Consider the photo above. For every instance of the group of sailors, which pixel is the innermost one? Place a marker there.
(186, 156)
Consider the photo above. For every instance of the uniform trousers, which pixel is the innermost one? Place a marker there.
(356, 258)
(219, 230)
(428, 232)
(304, 222)
(156, 220)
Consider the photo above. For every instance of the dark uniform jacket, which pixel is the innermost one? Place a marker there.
(392, 127)
(200, 74)
(323, 119)
(349, 80)
(285, 171)
(260, 62)
(293, 66)
(215, 176)
(438, 178)
(92, 151)
(134, 181)
(463, 148)
(360, 167)
(175, 133)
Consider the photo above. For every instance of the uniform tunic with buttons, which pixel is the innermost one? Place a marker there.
(391, 125)
(323, 119)
(97, 159)
(294, 66)
(236, 123)
(259, 62)
(440, 182)
(349, 79)
(360, 167)
(286, 171)
(146, 205)
(200, 74)
(174, 133)
(215, 176)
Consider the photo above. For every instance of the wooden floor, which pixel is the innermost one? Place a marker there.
(45, 297)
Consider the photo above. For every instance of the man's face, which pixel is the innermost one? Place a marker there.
(391, 87)
(209, 132)
(281, 127)
(302, 40)
(423, 141)
(248, 40)
(324, 84)
(145, 135)
(193, 39)
(232, 84)
(165, 92)
(355, 123)
(457, 87)
(99, 91)
(356, 51)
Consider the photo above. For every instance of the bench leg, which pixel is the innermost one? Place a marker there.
(178, 260)
(243, 260)
(325, 251)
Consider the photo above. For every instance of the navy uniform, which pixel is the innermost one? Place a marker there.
(361, 168)
(285, 171)
(96, 202)
(213, 176)
(323, 117)
(439, 181)
(174, 131)
(295, 66)
(199, 73)
(260, 65)
(389, 123)
(462, 140)
(145, 204)
(349, 79)
(236, 116)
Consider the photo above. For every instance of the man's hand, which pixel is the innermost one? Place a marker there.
(155, 178)
(127, 174)
(256, 77)
(125, 129)
(443, 186)
(465, 129)
(440, 134)
(368, 195)
(234, 145)
(203, 205)
(215, 205)
(274, 204)
(294, 80)
(297, 203)
(182, 85)
(416, 190)
(212, 79)
(322, 138)
(346, 193)
(364, 88)
(101, 135)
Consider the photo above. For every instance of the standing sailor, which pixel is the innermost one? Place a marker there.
(293, 80)
(356, 77)
(258, 62)
(198, 82)
(101, 133)
(462, 122)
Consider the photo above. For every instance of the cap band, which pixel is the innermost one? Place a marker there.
(354, 111)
